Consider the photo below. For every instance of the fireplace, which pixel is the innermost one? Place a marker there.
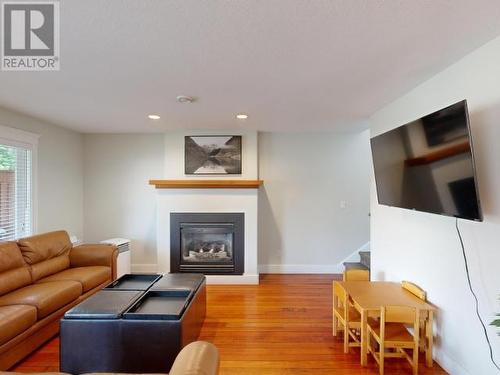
(209, 243)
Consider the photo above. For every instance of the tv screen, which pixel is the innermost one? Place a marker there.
(428, 165)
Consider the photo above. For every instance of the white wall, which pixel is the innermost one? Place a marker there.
(213, 200)
(306, 175)
(60, 173)
(302, 227)
(118, 200)
(425, 248)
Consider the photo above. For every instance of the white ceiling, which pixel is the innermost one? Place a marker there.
(289, 64)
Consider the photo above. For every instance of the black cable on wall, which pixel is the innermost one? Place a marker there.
(475, 296)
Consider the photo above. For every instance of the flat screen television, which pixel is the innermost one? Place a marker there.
(428, 165)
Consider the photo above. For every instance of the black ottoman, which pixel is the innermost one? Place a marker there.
(138, 324)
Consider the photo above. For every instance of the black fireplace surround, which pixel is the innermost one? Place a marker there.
(208, 243)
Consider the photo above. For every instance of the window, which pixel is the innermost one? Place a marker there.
(16, 185)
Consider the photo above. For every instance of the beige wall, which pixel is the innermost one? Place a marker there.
(60, 173)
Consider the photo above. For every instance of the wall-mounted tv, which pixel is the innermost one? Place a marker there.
(428, 165)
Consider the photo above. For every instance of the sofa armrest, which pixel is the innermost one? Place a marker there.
(94, 255)
(199, 357)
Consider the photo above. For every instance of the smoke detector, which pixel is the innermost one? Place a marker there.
(185, 99)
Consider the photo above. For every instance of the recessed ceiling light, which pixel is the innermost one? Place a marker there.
(241, 116)
(154, 117)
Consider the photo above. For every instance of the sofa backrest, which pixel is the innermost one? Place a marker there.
(46, 253)
(197, 358)
(14, 272)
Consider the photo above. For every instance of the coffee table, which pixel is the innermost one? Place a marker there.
(137, 324)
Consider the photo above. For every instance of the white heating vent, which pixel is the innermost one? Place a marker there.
(123, 262)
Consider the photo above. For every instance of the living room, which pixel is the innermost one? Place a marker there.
(255, 123)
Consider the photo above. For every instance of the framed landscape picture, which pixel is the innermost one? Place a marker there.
(212, 154)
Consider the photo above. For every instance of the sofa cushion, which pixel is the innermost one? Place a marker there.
(45, 246)
(14, 279)
(10, 256)
(15, 320)
(89, 277)
(49, 267)
(46, 297)
(14, 272)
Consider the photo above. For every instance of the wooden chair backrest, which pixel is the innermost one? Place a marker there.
(398, 314)
(343, 300)
(340, 293)
(414, 289)
(356, 275)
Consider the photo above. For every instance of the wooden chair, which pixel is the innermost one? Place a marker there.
(347, 317)
(392, 337)
(420, 293)
(414, 289)
(355, 274)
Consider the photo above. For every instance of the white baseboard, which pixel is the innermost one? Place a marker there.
(354, 256)
(365, 247)
(245, 279)
(313, 268)
(450, 365)
(301, 268)
(263, 268)
(277, 268)
(148, 268)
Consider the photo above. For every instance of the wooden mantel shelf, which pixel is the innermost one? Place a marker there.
(206, 184)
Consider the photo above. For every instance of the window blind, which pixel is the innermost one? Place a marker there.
(16, 201)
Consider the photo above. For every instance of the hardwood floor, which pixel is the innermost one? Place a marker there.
(282, 326)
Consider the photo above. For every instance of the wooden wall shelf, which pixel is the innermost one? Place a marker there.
(206, 184)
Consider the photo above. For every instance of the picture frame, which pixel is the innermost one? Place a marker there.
(212, 154)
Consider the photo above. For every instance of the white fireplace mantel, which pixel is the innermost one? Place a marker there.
(213, 200)
(179, 192)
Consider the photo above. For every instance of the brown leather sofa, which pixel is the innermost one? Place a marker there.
(197, 358)
(41, 277)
